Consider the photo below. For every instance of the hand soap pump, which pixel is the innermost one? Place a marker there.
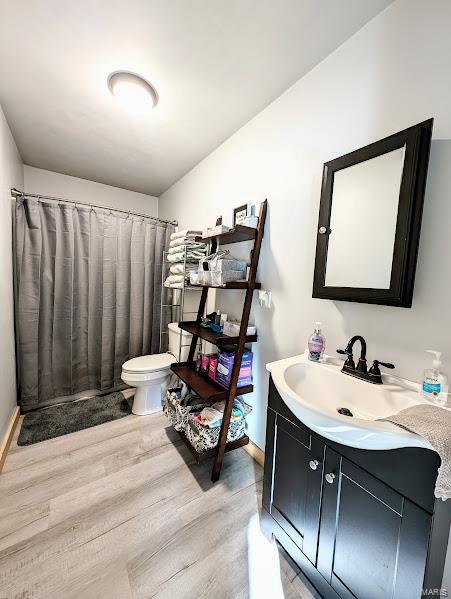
(435, 384)
(316, 344)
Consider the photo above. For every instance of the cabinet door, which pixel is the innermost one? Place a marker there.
(373, 542)
(296, 484)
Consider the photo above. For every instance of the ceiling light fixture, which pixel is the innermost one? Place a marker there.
(132, 91)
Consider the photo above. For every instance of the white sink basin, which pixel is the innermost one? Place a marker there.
(314, 391)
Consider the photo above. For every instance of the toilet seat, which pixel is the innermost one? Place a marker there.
(143, 365)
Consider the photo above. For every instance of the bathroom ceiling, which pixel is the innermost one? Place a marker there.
(214, 64)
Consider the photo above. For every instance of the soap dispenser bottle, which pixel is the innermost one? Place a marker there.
(435, 383)
(316, 344)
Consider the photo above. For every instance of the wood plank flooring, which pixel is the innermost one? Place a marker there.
(121, 511)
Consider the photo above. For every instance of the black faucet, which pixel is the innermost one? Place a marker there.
(373, 375)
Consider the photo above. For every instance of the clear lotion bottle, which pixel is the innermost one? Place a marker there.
(435, 384)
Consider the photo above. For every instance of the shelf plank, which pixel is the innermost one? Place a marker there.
(202, 385)
(211, 453)
(218, 339)
(235, 235)
(231, 285)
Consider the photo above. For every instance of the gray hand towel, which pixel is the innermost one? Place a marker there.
(433, 423)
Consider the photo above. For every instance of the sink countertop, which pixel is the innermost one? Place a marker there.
(314, 391)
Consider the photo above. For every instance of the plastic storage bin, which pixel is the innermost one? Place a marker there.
(221, 268)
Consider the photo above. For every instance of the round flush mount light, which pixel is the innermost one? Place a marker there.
(132, 91)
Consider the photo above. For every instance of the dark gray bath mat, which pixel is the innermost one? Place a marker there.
(66, 418)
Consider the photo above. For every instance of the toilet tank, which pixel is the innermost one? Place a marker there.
(174, 341)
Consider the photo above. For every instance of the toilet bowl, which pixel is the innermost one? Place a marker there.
(150, 374)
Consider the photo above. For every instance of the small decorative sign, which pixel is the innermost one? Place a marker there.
(240, 214)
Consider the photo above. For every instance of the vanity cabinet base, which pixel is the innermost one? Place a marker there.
(360, 524)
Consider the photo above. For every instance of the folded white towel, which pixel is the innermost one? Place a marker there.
(177, 254)
(198, 247)
(177, 269)
(174, 285)
(177, 242)
(184, 233)
(176, 257)
(175, 279)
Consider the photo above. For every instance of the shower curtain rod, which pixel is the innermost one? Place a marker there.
(21, 194)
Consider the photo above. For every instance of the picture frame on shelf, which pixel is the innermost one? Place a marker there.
(240, 214)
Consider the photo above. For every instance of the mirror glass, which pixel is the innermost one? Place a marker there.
(364, 212)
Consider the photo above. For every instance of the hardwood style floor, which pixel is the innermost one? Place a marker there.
(121, 511)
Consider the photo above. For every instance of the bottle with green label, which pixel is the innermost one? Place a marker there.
(435, 384)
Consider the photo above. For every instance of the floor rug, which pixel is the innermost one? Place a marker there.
(66, 418)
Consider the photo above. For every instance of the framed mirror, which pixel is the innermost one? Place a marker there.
(370, 219)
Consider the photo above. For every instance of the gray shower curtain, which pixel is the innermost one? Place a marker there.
(88, 288)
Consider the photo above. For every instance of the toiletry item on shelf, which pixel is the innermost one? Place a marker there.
(231, 328)
(435, 383)
(250, 221)
(209, 322)
(212, 367)
(316, 344)
(214, 321)
(225, 362)
(212, 231)
(205, 363)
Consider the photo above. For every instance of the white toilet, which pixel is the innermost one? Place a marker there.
(150, 374)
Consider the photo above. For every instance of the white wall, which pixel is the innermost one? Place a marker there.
(49, 183)
(390, 75)
(11, 175)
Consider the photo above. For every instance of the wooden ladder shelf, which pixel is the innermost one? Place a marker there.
(186, 371)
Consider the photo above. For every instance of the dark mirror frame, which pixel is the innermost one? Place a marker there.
(417, 140)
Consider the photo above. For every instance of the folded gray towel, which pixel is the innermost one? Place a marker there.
(433, 424)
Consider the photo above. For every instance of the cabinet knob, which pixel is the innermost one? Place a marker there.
(313, 464)
(330, 477)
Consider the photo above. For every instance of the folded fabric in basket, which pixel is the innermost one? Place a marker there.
(211, 416)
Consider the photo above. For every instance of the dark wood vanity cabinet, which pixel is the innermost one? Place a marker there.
(296, 490)
(360, 524)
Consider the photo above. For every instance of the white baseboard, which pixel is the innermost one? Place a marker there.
(8, 436)
(255, 452)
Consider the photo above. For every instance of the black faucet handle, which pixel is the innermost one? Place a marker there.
(349, 363)
(344, 352)
(375, 371)
(384, 364)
